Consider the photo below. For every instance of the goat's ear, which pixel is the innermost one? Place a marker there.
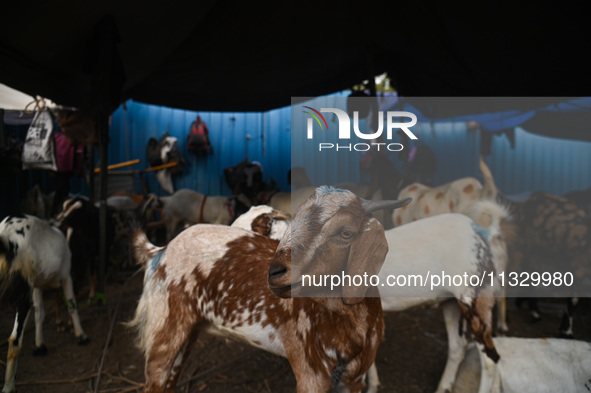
(367, 255)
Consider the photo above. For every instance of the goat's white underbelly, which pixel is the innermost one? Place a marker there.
(257, 335)
(47, 282)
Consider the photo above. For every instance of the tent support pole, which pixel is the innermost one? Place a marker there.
(106, 34)
(103, 130)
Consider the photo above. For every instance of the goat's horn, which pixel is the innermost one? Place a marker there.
(371, 206)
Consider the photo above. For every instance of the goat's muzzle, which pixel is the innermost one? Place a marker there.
(278, 280)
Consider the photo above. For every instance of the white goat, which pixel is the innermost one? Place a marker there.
(286, 202)
(458, 196)
(263, 220)
(456, 245)
(528, 365)
(33, 256)
(214, 278)
(191, 207)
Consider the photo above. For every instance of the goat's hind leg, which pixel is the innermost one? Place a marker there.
(502, 327)
(73, 310)
(165, 360)
(456, 345)
(40, 348)
(22, 303)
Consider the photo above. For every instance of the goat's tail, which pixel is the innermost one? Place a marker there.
(9, 277)
(145, 316)
(144, 250)
(489, 191)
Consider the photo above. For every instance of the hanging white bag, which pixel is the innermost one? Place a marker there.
(39, 147)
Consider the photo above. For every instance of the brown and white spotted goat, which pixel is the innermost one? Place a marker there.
(33, 256)
(453, 197)
(226, 280)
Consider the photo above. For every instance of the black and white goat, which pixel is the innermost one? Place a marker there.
(81, 220)
(237, 283)
(33, 256)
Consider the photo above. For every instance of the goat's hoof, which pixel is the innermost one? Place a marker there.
(61, 327)
(83, 340)
(567, 335)
(40, 351)
(502, 331)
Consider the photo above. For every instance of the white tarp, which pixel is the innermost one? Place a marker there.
(12, 99)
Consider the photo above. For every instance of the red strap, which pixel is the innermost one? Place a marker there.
(230, 210)
(201, 210)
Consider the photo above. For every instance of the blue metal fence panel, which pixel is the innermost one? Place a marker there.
(331, 166)
(535, 163)
(262, 137)
(539, 163)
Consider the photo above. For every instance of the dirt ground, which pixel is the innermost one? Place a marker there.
(411, 358)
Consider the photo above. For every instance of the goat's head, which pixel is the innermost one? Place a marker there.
(273, 224)
(332, 234)
(69, 206)
(239, 204)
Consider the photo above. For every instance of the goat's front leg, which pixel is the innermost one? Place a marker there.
(308, 380)
(456, 346)
(73, 310)
(40, 348)
(566, 325)
(15, 341)
(373, 380)
(502, 326)
(490, 380)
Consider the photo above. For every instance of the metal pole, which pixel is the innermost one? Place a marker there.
(102, 87)
(103, 130)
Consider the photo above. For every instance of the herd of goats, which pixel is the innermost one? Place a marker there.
(233, 266)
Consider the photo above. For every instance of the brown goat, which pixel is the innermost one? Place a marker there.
(554, 235)
(218, 278)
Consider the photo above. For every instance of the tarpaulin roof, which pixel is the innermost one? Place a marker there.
(245, 56)
(563, 117)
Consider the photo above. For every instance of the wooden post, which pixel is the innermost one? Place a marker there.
(103, 255)
(106, 34)
(91, 176)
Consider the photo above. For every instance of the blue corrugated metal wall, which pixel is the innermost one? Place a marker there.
(262, 137)
(536, 162)
(329, 166)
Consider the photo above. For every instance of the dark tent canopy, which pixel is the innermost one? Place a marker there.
(250, 56)
(244, 56)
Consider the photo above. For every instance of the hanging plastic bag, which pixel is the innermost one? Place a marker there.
(39, 147)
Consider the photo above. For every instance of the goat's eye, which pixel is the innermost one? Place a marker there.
(346, 234)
